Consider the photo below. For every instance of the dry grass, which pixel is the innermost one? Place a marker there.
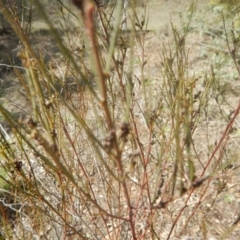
(108, 149)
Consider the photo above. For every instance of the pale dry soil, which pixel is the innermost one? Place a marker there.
(206, 45)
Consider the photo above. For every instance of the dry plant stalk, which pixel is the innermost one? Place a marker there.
(76, 168)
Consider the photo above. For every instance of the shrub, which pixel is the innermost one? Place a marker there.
(107, 151)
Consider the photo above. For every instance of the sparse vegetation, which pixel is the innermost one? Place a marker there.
(103, 148)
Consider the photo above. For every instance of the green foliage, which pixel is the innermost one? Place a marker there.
(3, 183)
